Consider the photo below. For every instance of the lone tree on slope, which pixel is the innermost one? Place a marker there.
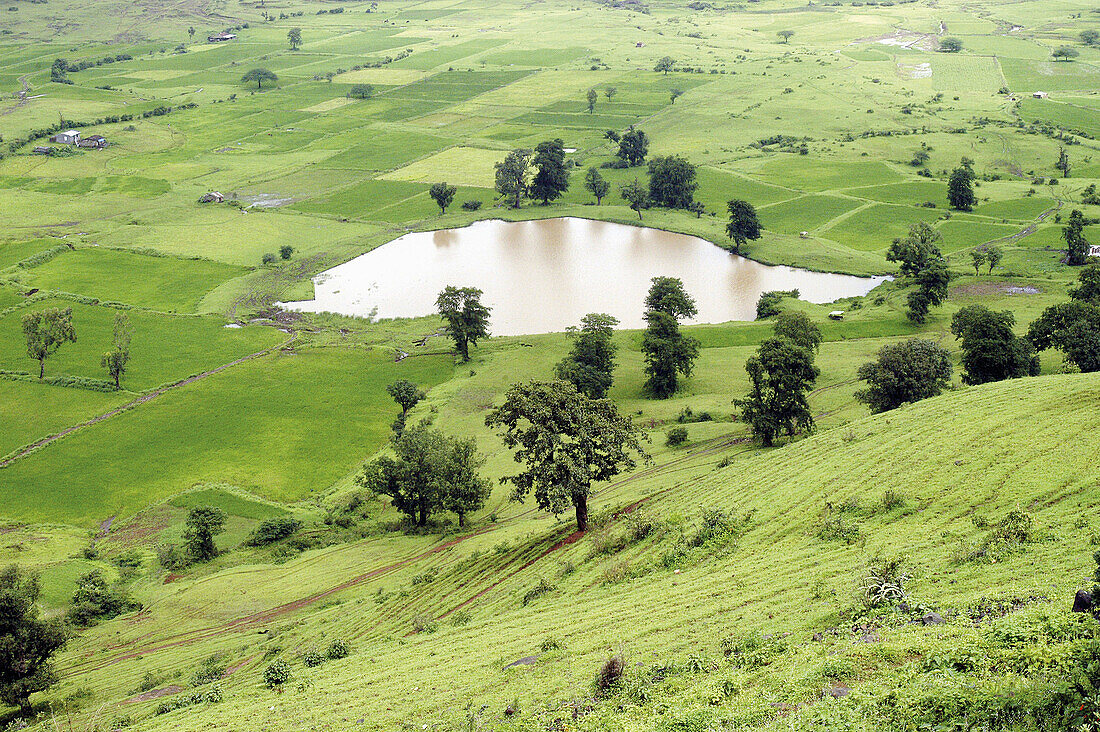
(259, 76)
(566, 442)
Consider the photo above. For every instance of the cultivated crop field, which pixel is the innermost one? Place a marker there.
(839, 122)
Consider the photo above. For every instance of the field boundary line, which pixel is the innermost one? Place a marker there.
(26, 450)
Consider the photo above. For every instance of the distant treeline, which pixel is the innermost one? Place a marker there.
(62, 66)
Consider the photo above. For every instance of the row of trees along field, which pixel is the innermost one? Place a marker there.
(49, 329)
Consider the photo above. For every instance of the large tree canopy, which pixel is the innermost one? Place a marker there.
(782, 373)
(566, 442)
(429, 472)
(743, 225)
(551, 178)
(991, 350)
(671, 182)
(904, 372)
(259, 76)
(26, 641)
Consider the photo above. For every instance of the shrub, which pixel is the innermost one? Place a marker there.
(312, 659)
(338, 649)
(611, 673)
(460, 618)
(537, 591)
(277, 674)
(209, 670)
(552, 644)
(676, 436)
(836, 528)
(471, 205)
(768, 304)
(891, 500)
(272, 530)
(424, 623)
(752, 651)
(884, 583)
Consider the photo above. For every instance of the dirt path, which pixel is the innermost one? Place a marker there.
(21, 94)
(1027, 230)
(28, 449)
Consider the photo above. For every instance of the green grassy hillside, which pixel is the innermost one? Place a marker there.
(433, 621)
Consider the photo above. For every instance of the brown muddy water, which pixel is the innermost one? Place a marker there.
(543, 276)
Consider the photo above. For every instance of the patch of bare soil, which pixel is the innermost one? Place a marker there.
(985, 289)
(154, 694)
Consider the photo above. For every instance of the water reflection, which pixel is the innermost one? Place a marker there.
(542, 276)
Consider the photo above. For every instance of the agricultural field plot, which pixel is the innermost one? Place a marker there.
(214, 432)
(467, 166)
(164, 349)
(160, 283)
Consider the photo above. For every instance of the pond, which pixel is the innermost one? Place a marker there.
(543, 276)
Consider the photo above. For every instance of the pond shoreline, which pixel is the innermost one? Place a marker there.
(542, 274)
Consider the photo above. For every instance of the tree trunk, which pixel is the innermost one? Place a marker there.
(41, 369)
(461, 520)
(581, 504)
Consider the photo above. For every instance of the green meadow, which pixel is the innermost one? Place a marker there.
(842, 136)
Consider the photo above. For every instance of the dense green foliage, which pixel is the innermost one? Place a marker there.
(903, 373)
(27, 642)
(590, 365)
(466, 317)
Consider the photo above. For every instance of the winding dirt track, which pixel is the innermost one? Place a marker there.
(28, 449)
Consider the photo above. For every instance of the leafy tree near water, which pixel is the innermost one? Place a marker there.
(932, 283)
(443, 195)
(596, 184)
(566, 442)
(903, 373)
(668, 353)
(551, 177)
(591, 362)
(259, 76)
(116, 359)
(203, 524)
(511, 175)
(917, 250)
(672, 182)
(26, 641)
(635, 195)
(45, 332)
(467, 319)
(799, 329)
(743, 225)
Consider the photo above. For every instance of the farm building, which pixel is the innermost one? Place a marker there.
(1040, 95)
(95, 141)
(223, 36)
(212, 197)
(71, 137)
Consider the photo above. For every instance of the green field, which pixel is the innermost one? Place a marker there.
(842, 136)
